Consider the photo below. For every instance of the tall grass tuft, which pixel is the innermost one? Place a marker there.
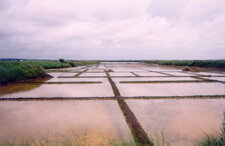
(215, 140)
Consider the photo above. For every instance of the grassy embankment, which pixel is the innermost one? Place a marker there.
(191, 63)
(11, 71)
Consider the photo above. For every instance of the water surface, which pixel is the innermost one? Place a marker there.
(183, 122)
(61, 120)
(171, 89)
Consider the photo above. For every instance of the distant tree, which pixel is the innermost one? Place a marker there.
(61, 60)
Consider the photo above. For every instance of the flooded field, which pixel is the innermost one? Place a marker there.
(183, 122)
(216, 78)
(117, 80)
(93, 74)
(65, 90)
(98, 119)
(149, 74)
(179, 73)
(171, 89)
(57, 74)
(121, 74)
(210, 74)
(57, 120)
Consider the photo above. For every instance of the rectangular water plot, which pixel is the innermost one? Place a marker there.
(209, 74)
(66, 74)
(127, 69)
(117, 80)
(92, 74)
(183, 122)
(79, 122)
(216, 78)
(77, 80)
(180, 73)
(121, 74)
(57, 90)
(149, 74)
(171, 89)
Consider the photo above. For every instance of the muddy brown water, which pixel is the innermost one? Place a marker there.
(62, 90)
(183, 122)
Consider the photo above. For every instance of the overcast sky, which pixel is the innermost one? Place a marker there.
(112, 29)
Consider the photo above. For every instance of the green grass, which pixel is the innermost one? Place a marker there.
(16, 71)
(50, 64)
(191, 63)
(81, 63)
(214, 140)
(64, 64)
(77, 141)
(22, 70)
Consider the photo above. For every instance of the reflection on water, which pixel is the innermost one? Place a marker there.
(17, 87)
(61, 120)
(183, 122)
(121, 74)
(117, 80)
(63, 90)
(171, 89)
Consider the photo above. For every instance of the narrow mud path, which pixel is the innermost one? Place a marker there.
(138, 133)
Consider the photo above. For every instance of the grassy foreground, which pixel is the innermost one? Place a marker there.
(22, 70)
(191, 63)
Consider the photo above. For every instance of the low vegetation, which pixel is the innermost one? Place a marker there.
(214, 140)
(76, 142)
(11, 71)
(16, 71)
(191, 63)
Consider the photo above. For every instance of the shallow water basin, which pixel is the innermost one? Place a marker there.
(210, 74)
(58, 90)
(92, 74)
(117, 80)
(183, 122)
(57, 74)
(121, 74)
(171, 89)
(77, 80)
(216, 78)
(149, 74)
(179, 73)
(93, 122)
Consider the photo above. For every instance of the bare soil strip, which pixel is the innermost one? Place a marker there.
(135, 74)
(82, 82)
(82, 77)
(162, 73)
(113, 98)
(139, 135)
(208, 80)
(55, 98)
(178, 97)
(128, 76)
(175, 81)
(81, 73)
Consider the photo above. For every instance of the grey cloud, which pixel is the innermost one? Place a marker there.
(129, 29)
